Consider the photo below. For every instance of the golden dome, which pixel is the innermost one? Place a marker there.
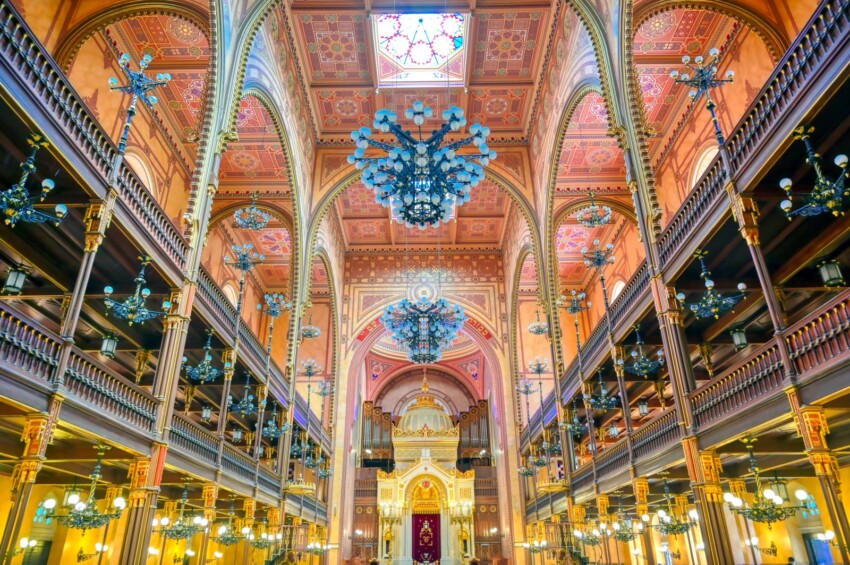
(425, 413)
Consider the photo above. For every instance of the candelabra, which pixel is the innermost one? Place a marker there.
(183, 528)
(84, 514)
(133, 309)
(138, 87)
(244, 259)
(594, 215)
(642, 365)
(204, 372)
(226, 532)
(16, 201)
(668, 522)
(827, 195)
(603, 400)
(712, 303)
(251, 218)
(246, 405)
(767, 506)
(702, 81)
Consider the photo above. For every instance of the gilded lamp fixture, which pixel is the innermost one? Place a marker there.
(827, 196)
(17, 203)
(712, 304)
(83, 514)
(133, 309)
(669, 522)
(183, 527)
(421, 179)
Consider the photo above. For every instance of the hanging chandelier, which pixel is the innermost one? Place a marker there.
(251, 218)
(538, 326)
(423, 327)
(594, 215)
(827, 195)
(272, 430)
(642, 365)
(421, 179)
(538, 366)
(588, 538)
(274, 304)
(183, 527)
(603, 400)
(16, 201)
(622, 525)
(527, 471)
(84, 514)
(668, 522)
(712, 303)
(245, 406)
(768, 506)
(308, 330)
(204, 372)
(133, 309)
(227, 535)
(574, 425)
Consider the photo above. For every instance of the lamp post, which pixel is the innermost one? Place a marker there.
(702, 81)
(274, 305)
(244, 259)
(575, 305)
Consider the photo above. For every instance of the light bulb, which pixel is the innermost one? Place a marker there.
(73, 498)
(768, 493)
(801, 495)
(50, 503)
(829, 534)
(164, 521)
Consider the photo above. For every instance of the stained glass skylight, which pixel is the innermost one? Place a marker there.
(421, 49)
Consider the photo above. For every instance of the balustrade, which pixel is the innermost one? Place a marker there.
(660, 432)
(188, 437)
(238, 463)
(819, 341)
(613, 458)
(26, 348)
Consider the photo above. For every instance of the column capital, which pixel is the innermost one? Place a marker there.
(602, 504)
(579, 513)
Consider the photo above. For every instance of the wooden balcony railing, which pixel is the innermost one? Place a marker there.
(109, 393)
(25, 348)
(188, 437)
(813, 48)
(269, 481)
(817, 342)
(660, 432)
(613, 458)
(26, 58)
(214, 299)
(582, 478)
(238, 463)
(759, 375)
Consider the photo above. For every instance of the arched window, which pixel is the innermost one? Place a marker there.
(143, 170)
(230, 292)
(617, 289)
(701, 164)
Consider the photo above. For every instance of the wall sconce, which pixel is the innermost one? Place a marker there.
(739, 337)
(16, 276)
(643, 407)
(206, 413)
(829, 271)
(109, 345)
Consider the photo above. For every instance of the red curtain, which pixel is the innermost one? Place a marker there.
(426, 538)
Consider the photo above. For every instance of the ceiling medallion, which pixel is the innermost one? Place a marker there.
(423, 327)
(422, 179)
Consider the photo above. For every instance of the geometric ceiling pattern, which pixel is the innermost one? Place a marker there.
(492, 65)
(177, 47)
(481, 222)
(570, 238)
(659, 44)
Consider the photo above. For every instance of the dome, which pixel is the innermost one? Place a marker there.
(425, 412)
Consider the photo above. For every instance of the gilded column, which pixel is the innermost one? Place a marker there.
(704, 472)
(37, 435)
(813, 428)
(602, 503)
(249, 505)
(640, 487)
(97, 219)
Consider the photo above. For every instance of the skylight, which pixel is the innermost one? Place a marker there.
(421, 49)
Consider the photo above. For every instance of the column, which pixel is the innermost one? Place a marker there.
(97, 218)
(210, 495)
(145, 476)
(249, 505)
(602, 503)
(746, 213)
(618, 353)
(37, 435)
(262, 395)
(228, 358)
(640, 487)
(813, 428)
(704, 473)
(170, 360)
(676, 348)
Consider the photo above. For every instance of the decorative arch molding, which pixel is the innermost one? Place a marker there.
(322, 255)
(459, 377)
(419, 478)
(69, 46)
(277, 211)
(615, 205)
(583, 89)
(773, 38)
(355, 372)
(514, 352)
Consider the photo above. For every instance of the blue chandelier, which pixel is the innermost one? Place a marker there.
(203, 372)
(274, 304)
(423, 327)
(538, 326)
(308, 330)
(272, 430)
(84, 514)
(245, 406)
(574, 425)
(604, 400)
(827, 196)
(251, 218)
(712, 303)
(421, 179)
(133, 309)
(16, 201)
(642, 365)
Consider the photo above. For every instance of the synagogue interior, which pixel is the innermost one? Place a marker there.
(424, 282)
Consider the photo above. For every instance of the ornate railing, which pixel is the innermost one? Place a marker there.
(660, 432)
(46, 82)
(630, 295)
(238, 463)
(216, 301)
(188, 437)
(109, 393)
(758, 375)
(613, 458)
(816, 342)
(25, 348)
(805, 58)
(268, 480)
(582, 477)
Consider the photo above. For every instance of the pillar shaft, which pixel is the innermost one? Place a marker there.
(704, 473)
